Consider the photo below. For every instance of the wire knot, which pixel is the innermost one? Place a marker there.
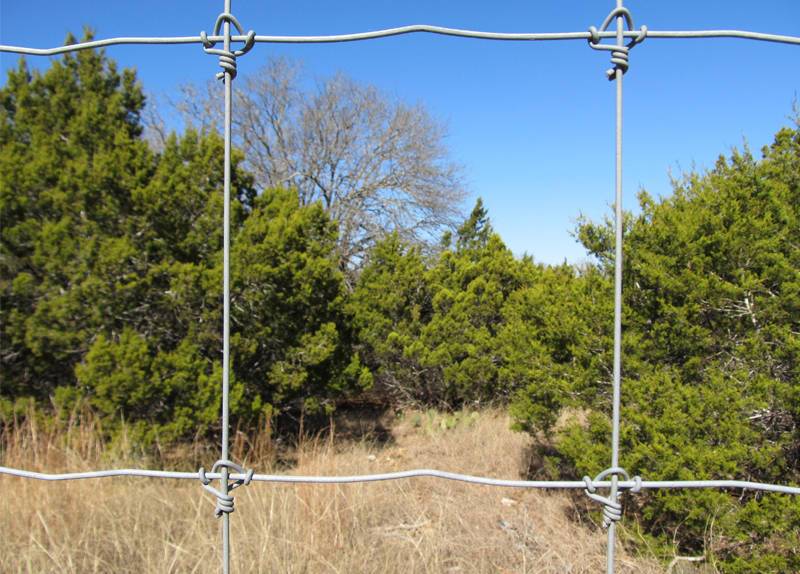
(612, 509)
(224, 500)
(619, 51)
(227, 58)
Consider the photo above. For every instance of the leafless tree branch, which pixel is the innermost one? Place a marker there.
(376, 164)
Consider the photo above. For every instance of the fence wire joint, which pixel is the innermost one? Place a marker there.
(224, 500)
(619, 52)
(227, 57)
(612, 509)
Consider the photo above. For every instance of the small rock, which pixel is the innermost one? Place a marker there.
(508, 501)
(372, 458)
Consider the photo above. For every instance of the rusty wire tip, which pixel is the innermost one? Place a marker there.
(224, 499)
(612, 509)
(619, 52)
(227, 58)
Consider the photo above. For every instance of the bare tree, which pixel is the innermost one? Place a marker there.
(375, 163)
(155, 126)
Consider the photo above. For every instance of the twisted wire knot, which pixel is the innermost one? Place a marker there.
(224, 501)
(227, 58)
(619, 52)
(612, 509)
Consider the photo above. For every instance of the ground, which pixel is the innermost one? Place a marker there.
(416, 525)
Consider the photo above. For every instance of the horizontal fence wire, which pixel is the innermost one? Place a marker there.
(407, 474)
(389, 32)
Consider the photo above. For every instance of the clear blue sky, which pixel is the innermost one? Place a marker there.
(531, 122)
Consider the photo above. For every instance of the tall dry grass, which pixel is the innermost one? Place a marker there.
(421, 525)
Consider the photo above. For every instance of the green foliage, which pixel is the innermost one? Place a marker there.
(711, 359)
(389, 306)
(292, 341)
(110, 275)
(165, 395)
(555, 343)
(70, 154)
(469, 284)
(429, 332)
(434, 422)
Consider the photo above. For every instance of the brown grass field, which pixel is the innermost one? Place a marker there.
(140, 525)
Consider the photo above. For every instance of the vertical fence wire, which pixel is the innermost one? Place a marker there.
(618, 215)
(226, 295)
(222, 468)
(228, 75)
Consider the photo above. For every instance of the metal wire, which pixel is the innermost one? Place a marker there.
(227, 61)
(406, 474)
(621, 66)
(389, 32)
(231, 475)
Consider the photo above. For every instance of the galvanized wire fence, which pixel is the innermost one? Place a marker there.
(229, 474)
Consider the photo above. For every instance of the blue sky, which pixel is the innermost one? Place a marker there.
(531, 122)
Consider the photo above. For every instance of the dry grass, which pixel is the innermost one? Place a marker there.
(422, 525)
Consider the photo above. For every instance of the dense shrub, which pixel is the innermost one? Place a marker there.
(110, 275)
(712, 359)
(429, 330)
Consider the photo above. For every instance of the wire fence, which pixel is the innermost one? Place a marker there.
(229, 474)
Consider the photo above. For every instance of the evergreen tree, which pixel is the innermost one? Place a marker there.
(110, 276)
(70, 156)
(389, 306)
(428, 330)
(556, 342)
(469, 284)
(711, 347)
(293, 342)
